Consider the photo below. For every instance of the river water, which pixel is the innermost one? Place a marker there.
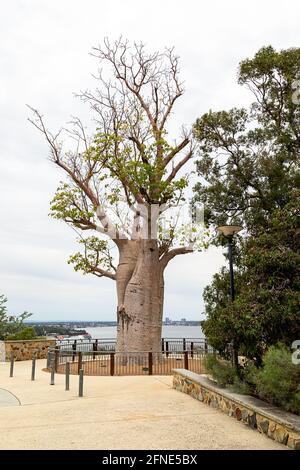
(168, 331)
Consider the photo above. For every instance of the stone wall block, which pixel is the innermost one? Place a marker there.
(285, 430)
(25, 350)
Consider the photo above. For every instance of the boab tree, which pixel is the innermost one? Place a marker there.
(122, 182)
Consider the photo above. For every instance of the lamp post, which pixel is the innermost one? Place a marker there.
(229, 231)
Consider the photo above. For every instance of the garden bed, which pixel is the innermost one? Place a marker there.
(279, 425)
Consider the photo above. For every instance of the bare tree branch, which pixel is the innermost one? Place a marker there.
(178, 166)
(166, 258)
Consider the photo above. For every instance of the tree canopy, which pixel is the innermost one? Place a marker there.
(249, 162)
(129, 166)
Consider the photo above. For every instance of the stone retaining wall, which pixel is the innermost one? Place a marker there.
(24, 350)
(275, 423)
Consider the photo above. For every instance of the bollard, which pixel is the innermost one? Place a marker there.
(67, 376)
(52, 373)
(12, 361)
(48, 360)
(79, 361)
(56, 358)
(33, 368)
(80, 392)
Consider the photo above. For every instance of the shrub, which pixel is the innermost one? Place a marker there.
(26, 333)
(221, 371)
(241, 387)
(278, 381)
(10, 324)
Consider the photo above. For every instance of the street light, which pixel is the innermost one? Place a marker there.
(229, 231)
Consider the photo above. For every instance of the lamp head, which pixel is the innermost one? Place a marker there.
(229, 230)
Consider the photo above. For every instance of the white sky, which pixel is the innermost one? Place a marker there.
(44, 58)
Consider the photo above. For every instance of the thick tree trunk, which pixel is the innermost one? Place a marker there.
(140, 287)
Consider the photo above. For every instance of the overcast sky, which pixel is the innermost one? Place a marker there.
(44, 58)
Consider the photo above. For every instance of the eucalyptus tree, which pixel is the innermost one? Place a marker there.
(249, 168)
(123, 181)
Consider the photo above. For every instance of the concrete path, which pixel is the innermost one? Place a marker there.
(116, 413)
(7, 398)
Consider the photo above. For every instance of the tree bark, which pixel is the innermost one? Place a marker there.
(140, 288)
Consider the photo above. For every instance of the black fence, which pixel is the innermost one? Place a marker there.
(130, 363)
(109, 344)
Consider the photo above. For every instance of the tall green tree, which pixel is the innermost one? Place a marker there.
(249, 174)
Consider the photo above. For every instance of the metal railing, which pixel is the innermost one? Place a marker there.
(87, 345)
(109, 344)
(130, 363)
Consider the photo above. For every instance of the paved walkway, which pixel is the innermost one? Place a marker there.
(7, 398)
(116, 413)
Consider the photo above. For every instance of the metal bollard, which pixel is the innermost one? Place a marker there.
(12, 361)
(80, 392)
(52, 373)
(56, 358)
(48, 360)
(33, 368)
(67, 376)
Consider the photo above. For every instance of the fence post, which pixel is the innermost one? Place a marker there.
(12, 361)
(167, 348)
(33, 368)
(150, 362)
(192, 349)
(79, 361)
(205, 346)
(80, 391)
(162, 345)
(67, 376)
(112, 363)
(183, 344)
(95, 348)
(186, 360)
(74, 349)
